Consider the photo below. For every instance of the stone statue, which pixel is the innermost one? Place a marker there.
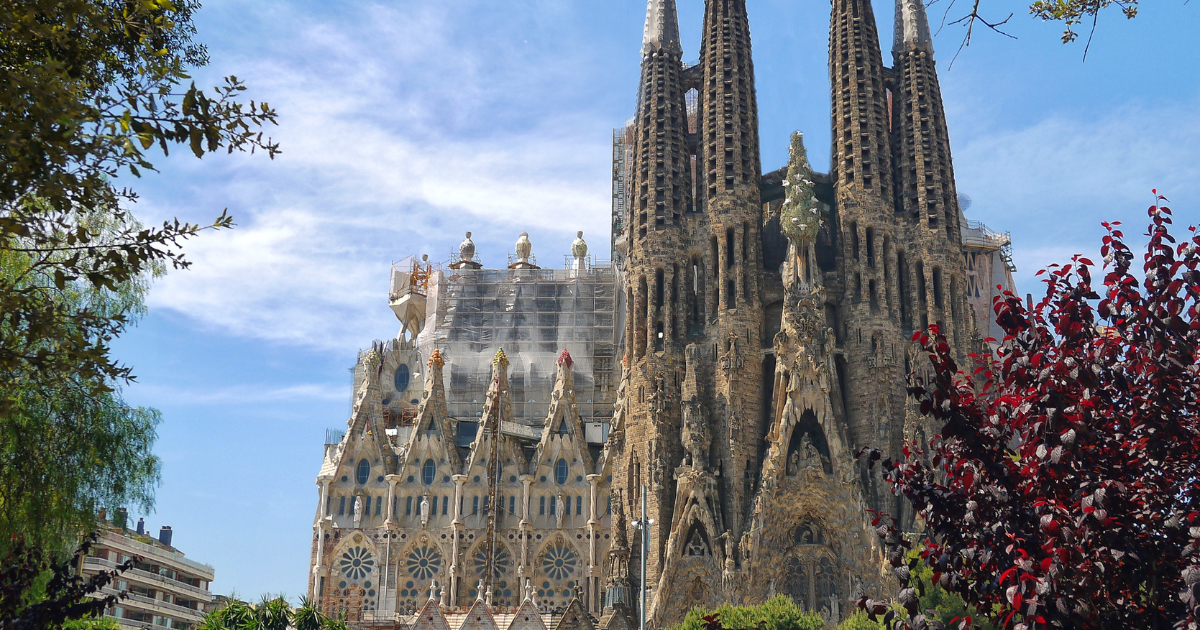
(466, 250)
(358, 510)
(694, 432)
(424, 510)
(528, 591)
(834, 614)
(793, 465)
(524, 248)
(441, 597)
(809, 457)
(561, 507)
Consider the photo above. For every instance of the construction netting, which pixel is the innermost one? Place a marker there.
(533, 314)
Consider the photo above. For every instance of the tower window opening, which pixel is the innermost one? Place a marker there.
(729, 248)
(659, 340)
(937, 287)
(658, 288)
(854, 239)
(871, 247)
(874, 297)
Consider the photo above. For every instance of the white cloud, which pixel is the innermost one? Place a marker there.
(387, 151)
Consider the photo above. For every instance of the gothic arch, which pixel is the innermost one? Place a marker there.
(808, 446)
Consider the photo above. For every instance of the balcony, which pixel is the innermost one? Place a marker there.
(146, 577)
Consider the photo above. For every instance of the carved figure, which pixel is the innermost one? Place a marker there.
(694, 434)
(696, 546)
(560, 508)
(358, 509)
(424, 510)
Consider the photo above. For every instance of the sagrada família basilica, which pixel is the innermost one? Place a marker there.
(532, 432)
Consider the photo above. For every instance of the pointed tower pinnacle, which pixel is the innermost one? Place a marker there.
(912, 27)
(662, 27)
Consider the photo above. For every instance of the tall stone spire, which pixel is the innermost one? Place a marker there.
(660, 219)
(729, 164)
(662, 27)
(926, 199)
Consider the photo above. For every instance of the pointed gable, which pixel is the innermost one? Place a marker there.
(432, 415)
(497, 409)
(478, 617)
(563, 421)
(430, 617)
(575, 617)
(527, 617)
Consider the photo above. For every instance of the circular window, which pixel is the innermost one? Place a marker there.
(364, 471)
(356, 563)
(402, 378)
(428, 471)
(559, 562)
(423, 562)
(560, 472)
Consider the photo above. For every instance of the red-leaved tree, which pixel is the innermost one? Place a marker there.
(1061, 491)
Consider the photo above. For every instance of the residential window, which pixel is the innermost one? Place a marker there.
(408, 506)
(542, 506)
(342, 506)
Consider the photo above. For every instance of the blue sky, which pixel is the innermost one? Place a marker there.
(405, 123)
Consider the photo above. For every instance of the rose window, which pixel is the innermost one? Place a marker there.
(356, 563)
(559, 562)
(423, 562)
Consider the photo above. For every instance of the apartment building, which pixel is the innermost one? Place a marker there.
(163, 590)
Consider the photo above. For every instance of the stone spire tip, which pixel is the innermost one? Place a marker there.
(662, 27)
(912, 27)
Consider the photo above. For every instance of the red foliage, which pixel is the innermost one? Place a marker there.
(1062, 489)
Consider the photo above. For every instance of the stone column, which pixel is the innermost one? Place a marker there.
(455, 535)
(391, 501)
(593, 529)
(669, 298)
(323, 482)
(722, 270)
(739, 266)
(524, 525)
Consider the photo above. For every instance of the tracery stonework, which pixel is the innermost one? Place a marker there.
(752, 333)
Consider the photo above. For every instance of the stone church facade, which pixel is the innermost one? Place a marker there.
(750, 334)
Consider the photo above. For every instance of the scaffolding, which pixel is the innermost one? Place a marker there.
(976, 234)
(533, 314)
(623, 139)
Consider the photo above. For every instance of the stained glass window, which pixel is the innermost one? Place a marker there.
(560, 472)
(428, 471)
(364, 471)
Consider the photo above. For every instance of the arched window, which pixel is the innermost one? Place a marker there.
(364, 471)
(428, 471)
(560, 472)
(402, 377)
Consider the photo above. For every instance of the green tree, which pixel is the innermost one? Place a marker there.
(86, 88)
(777, 613)
(271, 613)
(67, 447)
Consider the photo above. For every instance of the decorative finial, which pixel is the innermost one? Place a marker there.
(524, 247)
(479, 591)
(433, 591)
(500, 359)
(564, 358)
(466, 250)
(436, 360)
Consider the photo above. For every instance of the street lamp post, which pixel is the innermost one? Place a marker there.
(644, 524)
